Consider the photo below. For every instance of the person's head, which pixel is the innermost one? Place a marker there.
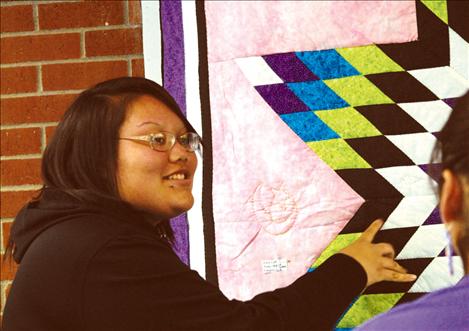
(87, 151)
(452, 150)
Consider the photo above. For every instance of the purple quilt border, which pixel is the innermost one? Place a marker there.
(174, 82)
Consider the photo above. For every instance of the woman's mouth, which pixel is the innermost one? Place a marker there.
(177, 176)
(180, 178)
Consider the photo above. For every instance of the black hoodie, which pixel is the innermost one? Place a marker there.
(101, 266)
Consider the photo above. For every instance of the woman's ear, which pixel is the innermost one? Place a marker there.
(451, 198)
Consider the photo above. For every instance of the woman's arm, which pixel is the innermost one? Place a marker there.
(136, 282)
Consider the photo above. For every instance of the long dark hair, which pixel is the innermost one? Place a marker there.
(81, 158)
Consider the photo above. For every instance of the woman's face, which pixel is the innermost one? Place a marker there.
(159, 182)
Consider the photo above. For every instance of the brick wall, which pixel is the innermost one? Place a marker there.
(50, 51)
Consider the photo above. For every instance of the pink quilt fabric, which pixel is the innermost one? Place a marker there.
(237, 28)
(274, 201)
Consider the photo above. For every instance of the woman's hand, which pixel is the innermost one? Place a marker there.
(377, 259)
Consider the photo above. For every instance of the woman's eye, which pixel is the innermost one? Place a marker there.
(158, 139)
(184, 140)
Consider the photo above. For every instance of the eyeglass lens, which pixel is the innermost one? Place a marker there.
(164, 141)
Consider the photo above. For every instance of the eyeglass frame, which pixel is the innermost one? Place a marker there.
(173, 138)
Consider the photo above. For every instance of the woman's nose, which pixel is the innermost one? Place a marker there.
(178, 153)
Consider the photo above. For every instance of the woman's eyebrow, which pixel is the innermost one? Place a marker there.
(145, 123)
(183, 130)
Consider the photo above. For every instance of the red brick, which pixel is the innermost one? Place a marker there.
(50, 132)
(6, 227)
(12, 202)
(138, 68)
(18, 80)
(135, 12)
(40, 48)
(113, 42)
(16, 18)
(34, 109)
(9, 268)
(21, 141)
(80, 14)
(20, 172)
(80, 75)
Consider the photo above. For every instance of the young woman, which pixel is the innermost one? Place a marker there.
(446, 309)
(95, 247)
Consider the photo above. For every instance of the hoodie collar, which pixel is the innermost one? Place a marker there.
(55, 206)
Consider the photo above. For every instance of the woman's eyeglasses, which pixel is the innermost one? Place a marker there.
(164, 141)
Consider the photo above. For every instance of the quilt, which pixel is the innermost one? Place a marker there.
(317, 118)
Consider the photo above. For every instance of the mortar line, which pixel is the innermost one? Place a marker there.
(39, 2)
(20, 157)
(76, 60)
(43, 139)
(20, 188)
(39, 79)
(82, 45)
(69, 30)
(35, 16)
(37, 94)
(126, 12)
(27, 125)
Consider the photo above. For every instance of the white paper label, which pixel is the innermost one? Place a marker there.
(269, 266)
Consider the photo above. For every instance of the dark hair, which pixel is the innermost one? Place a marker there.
(81, 158)
(452, 152)
(452, 148)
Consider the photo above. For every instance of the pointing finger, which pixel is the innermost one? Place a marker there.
(371, 231)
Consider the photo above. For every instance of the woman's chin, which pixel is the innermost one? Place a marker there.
(181, 207)
(186, 205)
